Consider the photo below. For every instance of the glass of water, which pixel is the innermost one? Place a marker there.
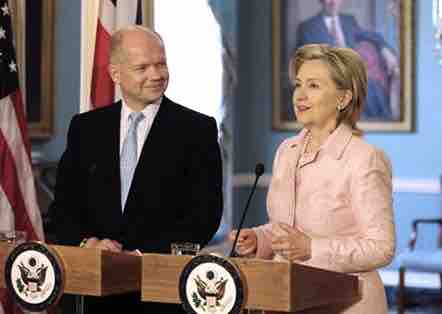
(184, 248)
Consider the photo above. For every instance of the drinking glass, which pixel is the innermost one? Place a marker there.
(13, 236)
(184, 248)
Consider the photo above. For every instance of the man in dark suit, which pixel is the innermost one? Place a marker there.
(331, 27)
(173, 192)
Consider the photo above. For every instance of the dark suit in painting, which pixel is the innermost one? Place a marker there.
(369, 44)
(175, 196)
(314, 31)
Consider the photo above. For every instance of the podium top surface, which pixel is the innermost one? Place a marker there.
(91, 271)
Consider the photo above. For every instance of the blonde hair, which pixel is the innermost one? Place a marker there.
(348, 72)
(117, 53)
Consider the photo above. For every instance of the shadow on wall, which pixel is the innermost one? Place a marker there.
(45, 174)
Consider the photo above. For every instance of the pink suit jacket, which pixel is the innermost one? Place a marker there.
(342, 199)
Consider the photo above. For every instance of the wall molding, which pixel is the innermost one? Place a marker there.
(400, 185)
(390, 277)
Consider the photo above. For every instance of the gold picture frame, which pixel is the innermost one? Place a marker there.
(148, 12)
(36, 76)
(404, 27)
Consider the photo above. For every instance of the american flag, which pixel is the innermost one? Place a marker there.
(18, 204)
(112, 14)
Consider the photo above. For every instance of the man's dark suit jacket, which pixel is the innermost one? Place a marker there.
(176, 192)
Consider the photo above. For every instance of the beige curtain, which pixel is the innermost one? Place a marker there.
(89, 18)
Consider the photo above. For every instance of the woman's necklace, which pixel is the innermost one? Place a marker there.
(309, 147)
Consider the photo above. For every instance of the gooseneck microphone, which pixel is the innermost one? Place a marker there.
(259, 170)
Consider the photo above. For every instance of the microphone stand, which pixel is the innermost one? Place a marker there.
(79, 304)
(259, 170)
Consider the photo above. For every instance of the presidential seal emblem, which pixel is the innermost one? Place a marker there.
(34, 276)
(210, 284)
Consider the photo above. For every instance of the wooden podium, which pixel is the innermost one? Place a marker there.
(269, 285)
(91, 272)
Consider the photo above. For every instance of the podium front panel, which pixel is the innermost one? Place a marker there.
(269, 285)
(99, 273)
(5, 249)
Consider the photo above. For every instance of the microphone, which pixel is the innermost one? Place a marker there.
(259, 170)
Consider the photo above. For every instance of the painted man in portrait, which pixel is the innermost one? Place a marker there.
(332, 27)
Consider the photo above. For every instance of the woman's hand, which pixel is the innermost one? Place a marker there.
(247, 241)
(290, 243)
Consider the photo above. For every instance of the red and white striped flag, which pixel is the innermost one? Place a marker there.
(18, 203)
(112, 14)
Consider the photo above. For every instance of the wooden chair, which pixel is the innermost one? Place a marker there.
(429, 261)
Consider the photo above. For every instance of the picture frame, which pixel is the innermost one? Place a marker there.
(391, 21)
(33, 23)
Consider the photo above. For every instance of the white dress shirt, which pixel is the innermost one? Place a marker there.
(144, 125)
(340, 40)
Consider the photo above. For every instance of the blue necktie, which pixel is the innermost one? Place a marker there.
(128, 158)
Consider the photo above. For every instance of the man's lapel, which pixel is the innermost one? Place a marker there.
(113, 128)
(321, 30)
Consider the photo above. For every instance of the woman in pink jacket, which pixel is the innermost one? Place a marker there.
(330, 198)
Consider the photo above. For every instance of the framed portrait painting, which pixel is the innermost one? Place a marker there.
(381, 31)
(33, 23)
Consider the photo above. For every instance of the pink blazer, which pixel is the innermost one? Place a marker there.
(342, 199)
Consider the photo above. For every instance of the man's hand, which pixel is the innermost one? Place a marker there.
(391, 62)
(104, 244)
